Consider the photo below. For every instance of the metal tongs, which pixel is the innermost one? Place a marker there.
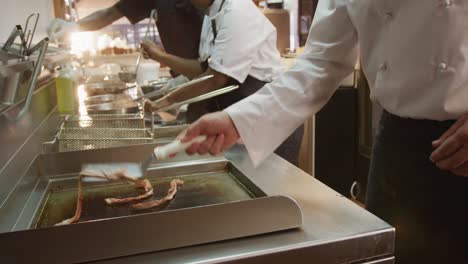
(42, 47)
(199, 98)
(17, 32)
(159, 92)
(153, 16)
(30, 33)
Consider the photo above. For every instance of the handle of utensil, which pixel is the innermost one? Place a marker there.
(43, 45)
(138, 62)
(178, 87)
(148, 26)
(175, 147)
(199, 98)
(149, 95)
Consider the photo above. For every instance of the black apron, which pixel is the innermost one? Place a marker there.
(290, 148)
(250, 86)
(426, 205)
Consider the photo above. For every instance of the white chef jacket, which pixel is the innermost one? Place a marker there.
(414, 54)
(245, 43)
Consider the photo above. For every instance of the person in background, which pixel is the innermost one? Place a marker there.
(414, 56)
(238, 46)
(179, 23)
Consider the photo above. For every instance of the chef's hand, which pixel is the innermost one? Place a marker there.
(220, 131)
(151, 106)
(451, 151)
(151, 50)
(60, 28)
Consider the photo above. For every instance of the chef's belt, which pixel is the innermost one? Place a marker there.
(426, 205)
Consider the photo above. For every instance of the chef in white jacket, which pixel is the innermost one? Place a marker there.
(414, 54)
(237, 47)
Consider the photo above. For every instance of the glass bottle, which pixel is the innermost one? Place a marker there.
(65, 87)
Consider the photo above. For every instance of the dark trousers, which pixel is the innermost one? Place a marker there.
(427, 206)
(291, 147)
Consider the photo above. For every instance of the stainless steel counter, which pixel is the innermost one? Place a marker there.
(335, 230)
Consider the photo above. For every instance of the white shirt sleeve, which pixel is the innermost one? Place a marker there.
(265, 119)
(237, 44)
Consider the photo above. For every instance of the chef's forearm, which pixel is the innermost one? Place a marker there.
(100, 19)
(188, 67)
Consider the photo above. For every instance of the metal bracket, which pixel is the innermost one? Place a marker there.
(42, 45)
(17, 32)
(30, 34)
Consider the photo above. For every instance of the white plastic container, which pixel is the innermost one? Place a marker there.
(148, 71)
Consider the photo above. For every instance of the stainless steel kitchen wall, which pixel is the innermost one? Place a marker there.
(15, 12)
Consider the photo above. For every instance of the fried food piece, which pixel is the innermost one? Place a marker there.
(79, 203)
(167, 117)
(170, 195)
(119, 175)
(140, 184)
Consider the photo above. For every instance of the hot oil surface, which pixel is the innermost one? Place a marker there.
(198, 190)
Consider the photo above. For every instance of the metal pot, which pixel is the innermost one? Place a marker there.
(127, 77)
(105, 88)
(100, 99)
(117, 107)
(128, 74)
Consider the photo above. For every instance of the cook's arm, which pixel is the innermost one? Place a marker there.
(265, 119)
(59, 28)
(188, 67)
(100, 19)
